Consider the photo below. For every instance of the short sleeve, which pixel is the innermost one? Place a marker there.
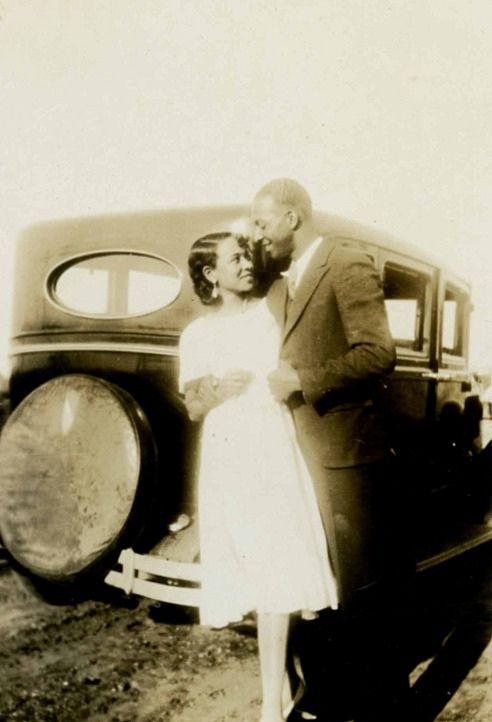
(193, 362)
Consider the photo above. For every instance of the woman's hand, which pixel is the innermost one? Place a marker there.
(203, 394)
(233, 383)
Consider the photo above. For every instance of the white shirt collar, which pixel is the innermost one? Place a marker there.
(303, 261)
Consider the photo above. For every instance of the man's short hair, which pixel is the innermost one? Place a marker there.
(289, 193)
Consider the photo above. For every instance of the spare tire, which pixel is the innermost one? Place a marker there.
(76, 461)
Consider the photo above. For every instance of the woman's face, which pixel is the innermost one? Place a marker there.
(234, 269)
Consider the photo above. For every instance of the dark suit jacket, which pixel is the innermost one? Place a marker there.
(336, 335)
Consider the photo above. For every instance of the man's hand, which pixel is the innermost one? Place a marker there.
(284, 381)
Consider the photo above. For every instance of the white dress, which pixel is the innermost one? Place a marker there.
(262, 544)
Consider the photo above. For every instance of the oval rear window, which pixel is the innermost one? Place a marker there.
(114, 284)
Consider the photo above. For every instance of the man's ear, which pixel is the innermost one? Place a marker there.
(295, 220)
(210, 274)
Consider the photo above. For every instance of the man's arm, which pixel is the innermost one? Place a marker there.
(371, 353)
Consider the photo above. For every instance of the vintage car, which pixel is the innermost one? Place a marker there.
(98, 460)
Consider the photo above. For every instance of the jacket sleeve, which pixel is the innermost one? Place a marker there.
(370, 349)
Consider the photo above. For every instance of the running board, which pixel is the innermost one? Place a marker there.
(454, 551)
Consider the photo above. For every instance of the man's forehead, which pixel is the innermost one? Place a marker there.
(264, 204)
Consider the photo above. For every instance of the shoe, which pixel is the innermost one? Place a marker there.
(298, 715)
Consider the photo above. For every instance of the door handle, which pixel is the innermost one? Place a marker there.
(437, 376)
(459, 377)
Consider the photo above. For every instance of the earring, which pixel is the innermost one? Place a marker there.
(215, 290)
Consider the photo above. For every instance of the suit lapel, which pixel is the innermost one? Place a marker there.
(312, 276)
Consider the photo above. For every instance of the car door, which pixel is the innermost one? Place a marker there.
(463, 464)
(434, 411)
(411, 289)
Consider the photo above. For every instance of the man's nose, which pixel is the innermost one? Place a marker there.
(246, 262)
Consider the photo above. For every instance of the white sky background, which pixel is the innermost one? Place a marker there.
(382, 108)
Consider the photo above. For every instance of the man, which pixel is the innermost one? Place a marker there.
(336, 347)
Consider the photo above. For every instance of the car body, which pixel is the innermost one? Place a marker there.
(99, 305)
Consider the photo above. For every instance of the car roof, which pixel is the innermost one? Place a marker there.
(168, 234)
(184, 223)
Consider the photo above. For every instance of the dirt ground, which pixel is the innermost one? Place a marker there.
(109, 661)
(113, 659)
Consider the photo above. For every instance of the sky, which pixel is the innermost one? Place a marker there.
(381, 108)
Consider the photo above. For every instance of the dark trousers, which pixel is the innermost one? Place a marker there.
(354, 660)
(354, 667)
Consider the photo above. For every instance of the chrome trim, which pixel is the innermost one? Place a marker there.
(426, 374)
(437, 375)
(447, 375)
(417, 370)
(164, 350)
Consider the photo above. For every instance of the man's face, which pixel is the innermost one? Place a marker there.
(274, 226)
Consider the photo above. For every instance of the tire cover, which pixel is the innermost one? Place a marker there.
(70, 466)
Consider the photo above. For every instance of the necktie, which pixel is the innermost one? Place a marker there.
(292, 280)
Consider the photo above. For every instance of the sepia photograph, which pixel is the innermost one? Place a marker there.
(245, 361)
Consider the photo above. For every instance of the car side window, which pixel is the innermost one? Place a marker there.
(407, 297)
(452, 321)
(114, 284)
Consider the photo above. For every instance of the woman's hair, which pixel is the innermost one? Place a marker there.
(203, 253)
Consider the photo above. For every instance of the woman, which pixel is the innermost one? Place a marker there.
(261, 539)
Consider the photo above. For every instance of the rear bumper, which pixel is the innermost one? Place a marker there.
(164, 580)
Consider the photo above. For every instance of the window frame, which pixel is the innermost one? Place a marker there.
(405, 353)
(56, 271)
(455, 358)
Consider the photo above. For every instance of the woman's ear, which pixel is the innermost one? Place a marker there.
(210, 274)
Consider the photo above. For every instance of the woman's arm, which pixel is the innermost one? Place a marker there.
(203, 394)
(200, 397)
